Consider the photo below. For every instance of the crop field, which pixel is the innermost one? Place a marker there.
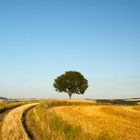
(70, 120)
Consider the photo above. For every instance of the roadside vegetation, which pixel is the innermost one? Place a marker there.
(42, 122)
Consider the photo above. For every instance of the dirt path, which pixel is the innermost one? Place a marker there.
(12, 128)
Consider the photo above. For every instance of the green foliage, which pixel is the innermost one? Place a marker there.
(116, 102)
(71, 82)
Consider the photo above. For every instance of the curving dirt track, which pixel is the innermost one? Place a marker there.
(12, 128)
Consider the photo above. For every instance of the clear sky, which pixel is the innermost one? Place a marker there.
(41, 39)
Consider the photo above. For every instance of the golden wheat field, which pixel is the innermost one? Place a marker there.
(70, 120)
(113, 122)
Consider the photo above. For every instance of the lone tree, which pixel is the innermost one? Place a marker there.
(71, 82)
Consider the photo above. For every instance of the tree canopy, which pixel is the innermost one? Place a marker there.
(71, 82)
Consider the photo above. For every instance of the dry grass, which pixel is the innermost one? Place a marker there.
(43, 124)
(116, 122)
(64, 120)
(74, 120)
(5, 107)
(136, 108)
(12, 128)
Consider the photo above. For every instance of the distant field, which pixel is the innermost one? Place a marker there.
(74, 120)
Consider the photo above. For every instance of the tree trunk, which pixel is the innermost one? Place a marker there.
(70, 96)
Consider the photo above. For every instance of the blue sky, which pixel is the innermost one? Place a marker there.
(41, 39)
